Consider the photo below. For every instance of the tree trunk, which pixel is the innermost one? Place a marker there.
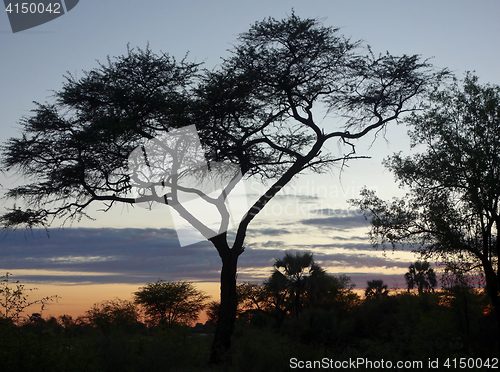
(492, 290)
(228, 301)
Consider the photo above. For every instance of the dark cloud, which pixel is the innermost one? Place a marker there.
(272, 244)
(359, 260)
(350, 238)
(338, 212)
(282, 196)
(268, 232)
(119, 255)
(349, 246)
(337, 222)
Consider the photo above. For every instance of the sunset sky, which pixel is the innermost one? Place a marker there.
(121, 250)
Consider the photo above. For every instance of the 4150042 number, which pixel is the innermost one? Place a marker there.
(33, 8)
(488, 363)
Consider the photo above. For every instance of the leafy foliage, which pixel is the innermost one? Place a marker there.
(171, 303)
(255, 111)
(451, 212)
(252, 299)
(15, 300)
(75, 150)
(116, 313)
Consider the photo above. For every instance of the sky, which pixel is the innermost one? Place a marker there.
(121, 250)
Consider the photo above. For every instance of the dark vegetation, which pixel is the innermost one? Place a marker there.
(305, 314)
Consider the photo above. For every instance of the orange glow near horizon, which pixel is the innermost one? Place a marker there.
(75, 300)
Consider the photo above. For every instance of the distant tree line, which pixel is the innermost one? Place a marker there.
(299, 307)
(296, 284)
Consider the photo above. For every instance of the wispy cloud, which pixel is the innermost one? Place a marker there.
(340, 223)
(268, 232)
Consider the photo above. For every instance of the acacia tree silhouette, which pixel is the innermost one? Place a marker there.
(256, 111)
(169, 303)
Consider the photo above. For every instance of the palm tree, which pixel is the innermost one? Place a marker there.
(422, 276)
(293, 275)
(376, 289)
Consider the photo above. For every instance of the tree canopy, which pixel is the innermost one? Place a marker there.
(112, 313)
(256, 111)
(171, 303)
(451, 211)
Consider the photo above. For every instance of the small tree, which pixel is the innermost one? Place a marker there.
(112, 313)
(212, 309)
(376, 289)
(171, 303)
(15, 300)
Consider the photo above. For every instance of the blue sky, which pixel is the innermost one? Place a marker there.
(133, 245)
